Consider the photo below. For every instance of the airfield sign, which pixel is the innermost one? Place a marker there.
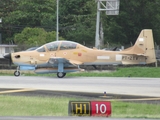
(112, 7)
(89, 108)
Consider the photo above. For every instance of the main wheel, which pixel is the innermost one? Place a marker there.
(61, 74)
(16, 73)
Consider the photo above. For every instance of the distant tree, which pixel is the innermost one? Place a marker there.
(77, 20)
(33, 13)
(34, 37)
(134, 16)
(30, 13)
(6, 8)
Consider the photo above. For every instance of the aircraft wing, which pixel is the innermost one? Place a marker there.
(56, 60)
(75, 62)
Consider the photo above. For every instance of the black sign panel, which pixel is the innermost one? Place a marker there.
(79, 108)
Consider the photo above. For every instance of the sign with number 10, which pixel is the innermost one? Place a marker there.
(89, 108)
(100, 108)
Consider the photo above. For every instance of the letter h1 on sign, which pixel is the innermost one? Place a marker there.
(79, 108)
(89, 108)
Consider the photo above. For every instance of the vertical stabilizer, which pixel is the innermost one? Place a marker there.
(145, 45)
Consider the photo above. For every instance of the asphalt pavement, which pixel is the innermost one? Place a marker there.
(110, 88)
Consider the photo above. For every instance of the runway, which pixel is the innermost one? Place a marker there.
(98, 85)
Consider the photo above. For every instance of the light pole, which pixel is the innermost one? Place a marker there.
(57, 37)
(0, 32)
(97, 42)
(112, 8)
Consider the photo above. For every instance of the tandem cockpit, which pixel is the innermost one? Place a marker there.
(57, 45)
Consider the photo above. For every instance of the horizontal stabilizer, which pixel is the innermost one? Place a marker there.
(57, 60)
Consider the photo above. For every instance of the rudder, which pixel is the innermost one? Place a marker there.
(145, 44)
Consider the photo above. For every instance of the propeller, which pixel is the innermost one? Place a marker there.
(8, 56)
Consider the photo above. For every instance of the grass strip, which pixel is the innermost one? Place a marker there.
(58, 106)
(152, 72)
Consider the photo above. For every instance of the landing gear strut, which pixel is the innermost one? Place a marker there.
(17, 72)
(61, 74)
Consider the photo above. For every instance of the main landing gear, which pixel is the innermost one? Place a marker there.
(17, 72)
(61, 74)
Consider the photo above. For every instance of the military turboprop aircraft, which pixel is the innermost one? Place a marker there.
(62, 57)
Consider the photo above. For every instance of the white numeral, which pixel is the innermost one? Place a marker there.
(103, 108)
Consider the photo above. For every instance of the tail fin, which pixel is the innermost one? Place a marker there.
(145, 42)
(144, 46)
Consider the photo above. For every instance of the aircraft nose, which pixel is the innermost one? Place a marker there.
(8, 56)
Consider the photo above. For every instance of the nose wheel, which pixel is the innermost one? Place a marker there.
(61, 74)
(17, 73)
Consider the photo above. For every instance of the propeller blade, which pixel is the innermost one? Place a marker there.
(8, 56)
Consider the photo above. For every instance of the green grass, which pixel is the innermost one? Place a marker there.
(58, 106)
(120, 72)
(135, 110)
(33, 106)
(124, 72)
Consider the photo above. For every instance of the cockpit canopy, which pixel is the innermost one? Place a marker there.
(58, 45)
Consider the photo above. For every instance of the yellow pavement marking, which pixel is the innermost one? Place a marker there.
(15, 91)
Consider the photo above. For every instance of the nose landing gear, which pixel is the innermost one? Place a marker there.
(17, 72)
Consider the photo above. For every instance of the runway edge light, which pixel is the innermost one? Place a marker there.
(89, 108)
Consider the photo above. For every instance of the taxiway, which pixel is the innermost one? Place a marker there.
(111, 85)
